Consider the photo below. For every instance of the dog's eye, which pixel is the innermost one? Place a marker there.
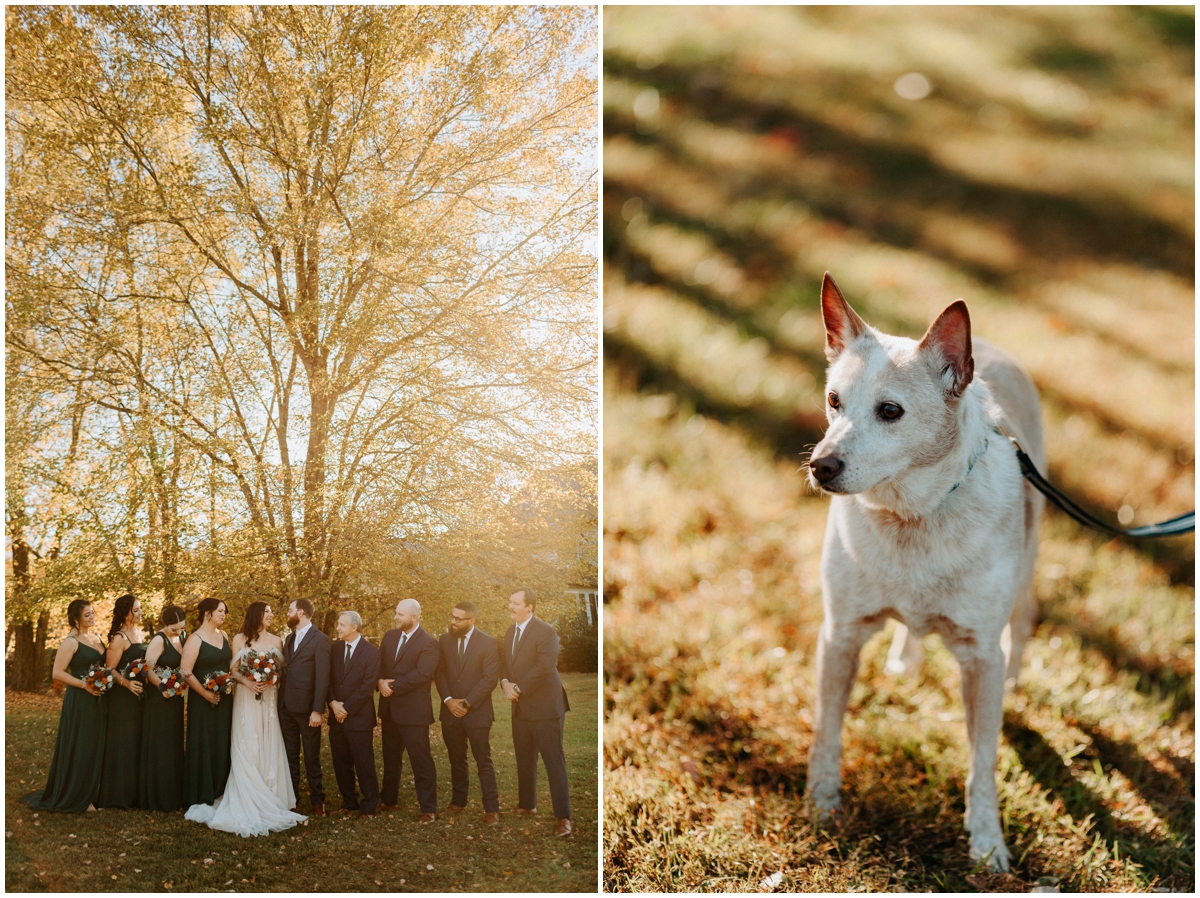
(834, 402)
(889, 411)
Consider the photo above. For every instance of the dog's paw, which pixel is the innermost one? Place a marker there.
(825, 801)
(992, 851)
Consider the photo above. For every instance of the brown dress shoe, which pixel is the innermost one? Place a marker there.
(318, 810)
(563, 829)
(366, 813)
(385, 807)
(346, 812)
(492, 818)
(525, 812)
(454, 809)
(428, 818)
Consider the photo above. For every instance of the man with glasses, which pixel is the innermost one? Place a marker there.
(466, 675)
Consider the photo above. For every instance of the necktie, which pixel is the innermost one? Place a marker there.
(462, 650)
(400, 647)
(346, 660)
(516, 641)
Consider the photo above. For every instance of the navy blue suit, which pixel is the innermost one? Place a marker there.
(302, 689)
(472, 680)
(352, 743)
(538, 714)
(406, 715)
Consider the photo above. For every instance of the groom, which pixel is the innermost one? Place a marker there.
(302, 694)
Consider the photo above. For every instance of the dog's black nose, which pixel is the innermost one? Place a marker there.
(826, 468)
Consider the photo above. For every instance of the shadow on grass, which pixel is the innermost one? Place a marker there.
(1048, 227)
(788, 438)
(1175, 683)
(1048, 769)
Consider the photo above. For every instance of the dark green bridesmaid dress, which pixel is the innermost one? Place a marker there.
(79, 748)
(209, 730)
(162, 779)
(123, 745)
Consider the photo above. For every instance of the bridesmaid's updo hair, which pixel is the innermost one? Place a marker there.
(254, 621)
(75, 612)
(172, 614)
(120, 612)
(205, 606)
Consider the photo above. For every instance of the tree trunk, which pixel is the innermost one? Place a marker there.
(29, 654)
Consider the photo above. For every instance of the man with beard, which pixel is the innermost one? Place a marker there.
(355, 664)
(408, 659)
(529, 677)
(302, 693)
(466, 675)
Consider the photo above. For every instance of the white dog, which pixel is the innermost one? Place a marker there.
(931, 523)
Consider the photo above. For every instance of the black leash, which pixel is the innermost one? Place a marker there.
(1185, 523)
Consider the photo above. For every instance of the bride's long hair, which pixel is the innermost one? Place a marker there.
(253, 624)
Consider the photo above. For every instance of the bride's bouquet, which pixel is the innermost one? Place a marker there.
(136, 670)
(261, 667)
(217, 682)
(100, 678)
(171, 683)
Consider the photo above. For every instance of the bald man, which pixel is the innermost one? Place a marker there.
(408, 660)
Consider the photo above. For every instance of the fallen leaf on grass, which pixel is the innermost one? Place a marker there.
(429, 866)
(136, 870)
(771, 883)
(169, 885)
(207, 861)
(229, 883)
(87, 863)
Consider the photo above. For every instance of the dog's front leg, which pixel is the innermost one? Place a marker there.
(983, 701)
(838, 647)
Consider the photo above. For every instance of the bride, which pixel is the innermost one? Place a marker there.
(259, 792)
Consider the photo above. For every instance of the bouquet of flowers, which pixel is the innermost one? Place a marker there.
(218, 682)
(261, 668)
(171, 683)
(136, 669)
(100, 678)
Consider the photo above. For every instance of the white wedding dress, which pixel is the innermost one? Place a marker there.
(258, 794)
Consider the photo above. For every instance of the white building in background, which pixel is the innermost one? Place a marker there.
(587, 594)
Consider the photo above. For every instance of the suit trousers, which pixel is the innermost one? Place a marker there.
(398, 739)
(456, 736)
(353, 753)
(297, 732)
(544, 737)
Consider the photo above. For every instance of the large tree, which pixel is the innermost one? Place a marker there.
(311, 278)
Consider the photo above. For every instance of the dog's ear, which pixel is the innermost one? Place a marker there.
(948, 343)
(842, 324)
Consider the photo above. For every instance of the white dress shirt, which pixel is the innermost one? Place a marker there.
(300, 635)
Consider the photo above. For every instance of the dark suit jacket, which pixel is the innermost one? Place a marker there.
(305, 680)
(354, 686)
(410, 703)
(534, 670)
(475, 681)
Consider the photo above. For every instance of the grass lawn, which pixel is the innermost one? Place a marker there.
(154, 852)
(748, 150)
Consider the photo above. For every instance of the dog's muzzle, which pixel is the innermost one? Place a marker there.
(826, 468)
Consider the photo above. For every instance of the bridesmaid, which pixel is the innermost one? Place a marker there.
(210, 716)
(123, 746)
(162, 780)
(79, 749)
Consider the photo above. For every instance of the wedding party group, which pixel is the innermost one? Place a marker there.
(256, 706)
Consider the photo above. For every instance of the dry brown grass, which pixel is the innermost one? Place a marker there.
(760, 168)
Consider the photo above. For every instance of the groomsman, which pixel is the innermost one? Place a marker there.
(466, 676)
(355, 664)
(302, 690)
(529, 677)
(408, 660)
